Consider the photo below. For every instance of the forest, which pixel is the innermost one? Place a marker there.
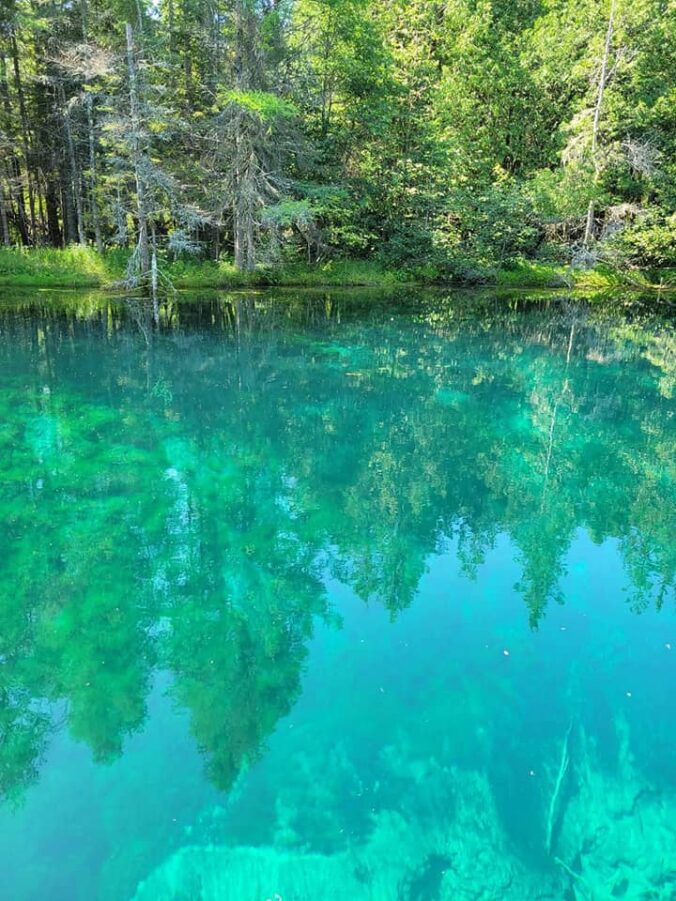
(441, 139)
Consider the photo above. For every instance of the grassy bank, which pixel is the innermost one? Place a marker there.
(44, 267)
(530, 274)
(81, 267)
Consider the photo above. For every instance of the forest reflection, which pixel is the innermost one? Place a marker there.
(177, 485)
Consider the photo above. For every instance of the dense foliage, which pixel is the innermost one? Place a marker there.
(447, 137)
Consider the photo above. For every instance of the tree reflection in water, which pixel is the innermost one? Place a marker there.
(175, 494)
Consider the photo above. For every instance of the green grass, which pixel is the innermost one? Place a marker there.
(46, 267)
(530, 274)
(335, 273)
(83, 267)
(359, 273)
(209, 274)
(605, 277)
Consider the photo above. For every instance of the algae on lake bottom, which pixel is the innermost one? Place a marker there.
(615, 839)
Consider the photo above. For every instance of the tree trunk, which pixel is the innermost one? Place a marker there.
(154, 278)
(603, 76)
(89, 105)
(237, 235)
(250, 239)
(171, 24)
(25, 132)
(243, 187)
(137, 156)
(14, 176)
(51, 201)
(243, 227)
(84, 16)
(237, 219)
(41, 204)
(74, 172)
(3, 217)
(67, 205)
(96, 217)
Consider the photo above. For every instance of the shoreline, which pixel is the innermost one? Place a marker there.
(82, 268)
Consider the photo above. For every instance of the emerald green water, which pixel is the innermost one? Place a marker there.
(337, 596)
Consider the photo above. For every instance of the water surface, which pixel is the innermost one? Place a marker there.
(337, 595)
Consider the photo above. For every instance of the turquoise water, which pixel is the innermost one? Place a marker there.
(337, 596)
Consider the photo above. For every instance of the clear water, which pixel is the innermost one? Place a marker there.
(337, 596)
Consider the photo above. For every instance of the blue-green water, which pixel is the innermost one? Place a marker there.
(337, 596)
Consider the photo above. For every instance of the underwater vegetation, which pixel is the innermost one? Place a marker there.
(614, 837)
